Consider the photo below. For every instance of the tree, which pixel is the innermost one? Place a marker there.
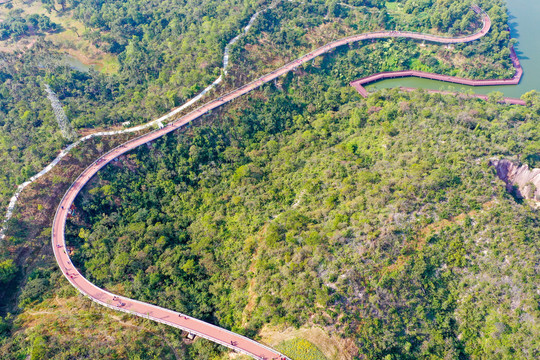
(496, 97)
(7, 271)
(383, 18)
(532, 98)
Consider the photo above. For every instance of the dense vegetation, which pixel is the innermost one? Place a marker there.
(169, 52)
(380, 219)
(302, 204)
(303, 26)
(29, 136)
(16, 25)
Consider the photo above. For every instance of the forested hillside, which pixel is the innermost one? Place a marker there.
(380, 220)
(300, 205)
(169, 51)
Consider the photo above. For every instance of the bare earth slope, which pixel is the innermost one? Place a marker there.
(521, 180)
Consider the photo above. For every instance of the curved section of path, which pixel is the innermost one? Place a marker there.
(166, 316)
(452, 79)
(359, 84)
(13, 200)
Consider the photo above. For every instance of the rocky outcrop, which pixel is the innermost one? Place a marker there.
(521, 181)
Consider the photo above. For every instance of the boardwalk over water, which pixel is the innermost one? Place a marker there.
(360, 83)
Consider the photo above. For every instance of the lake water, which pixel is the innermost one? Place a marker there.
(75, 63)
(525, 27)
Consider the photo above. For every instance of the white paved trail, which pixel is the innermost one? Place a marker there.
(66, 129)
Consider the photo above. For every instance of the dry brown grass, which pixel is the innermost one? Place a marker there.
(73, 318)
(332, 346)
(68, 40)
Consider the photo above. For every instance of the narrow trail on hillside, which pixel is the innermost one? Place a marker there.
(181, 321)
(68, 132)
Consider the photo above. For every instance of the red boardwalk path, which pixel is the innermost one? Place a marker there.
(170, 317)
(359, 84)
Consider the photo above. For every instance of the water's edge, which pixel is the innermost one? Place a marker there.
(524, 26)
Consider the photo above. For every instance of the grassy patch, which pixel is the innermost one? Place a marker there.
(332, 347)
(69, 38)
(301, 349)
(393, 6)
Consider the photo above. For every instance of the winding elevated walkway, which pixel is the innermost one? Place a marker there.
(360, 83)
(211, 332)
